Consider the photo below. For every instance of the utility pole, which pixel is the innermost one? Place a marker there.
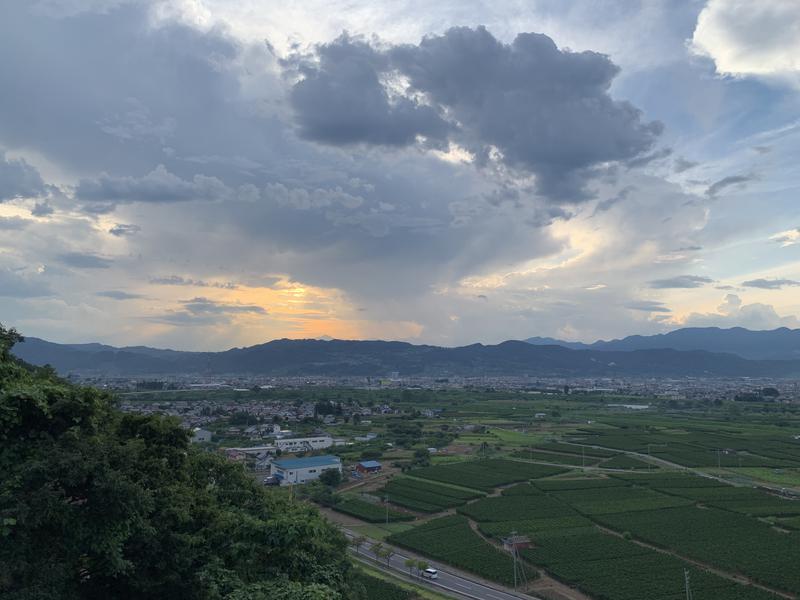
(687, 584)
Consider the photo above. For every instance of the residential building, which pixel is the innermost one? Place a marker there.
(304, 444)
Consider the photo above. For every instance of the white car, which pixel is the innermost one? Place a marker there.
(430, 574)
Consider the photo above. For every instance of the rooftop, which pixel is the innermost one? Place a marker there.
(311, 461)
(370, 464)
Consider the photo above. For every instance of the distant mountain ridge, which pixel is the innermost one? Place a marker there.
(774, 344)
(378, 358)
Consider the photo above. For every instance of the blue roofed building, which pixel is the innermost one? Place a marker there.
(368, 466)
(303, 470)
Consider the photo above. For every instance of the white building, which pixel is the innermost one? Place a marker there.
(302, 470)
(304, 444)
(201, 435)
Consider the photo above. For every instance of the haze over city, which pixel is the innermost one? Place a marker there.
(204, 174)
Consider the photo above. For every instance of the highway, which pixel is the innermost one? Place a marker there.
(455, 584)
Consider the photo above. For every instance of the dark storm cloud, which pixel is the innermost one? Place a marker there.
(715, 188)
(770, 284)
(546, 111)
(16, 284)
(119, 295)
(84, 260)
(18, 179)
(42, 209)
(681, 282)
(341, 100)
(648, 306)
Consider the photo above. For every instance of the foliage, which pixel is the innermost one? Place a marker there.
(426, 496)
(373, 587)
(486, 474)
(97, 504)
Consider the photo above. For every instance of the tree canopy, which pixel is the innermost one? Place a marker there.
(95, 503)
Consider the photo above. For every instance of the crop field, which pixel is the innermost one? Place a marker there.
(486, 474)
(576, 450)
(366, 511)
(741, 499)
(610, 500)
(730, 541)
(555, 485)
(426, 496)
(451, 540)
(516, 507)
(562, 459)
(623, 461)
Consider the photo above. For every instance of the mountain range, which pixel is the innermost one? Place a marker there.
(775, 344)
(377, 358)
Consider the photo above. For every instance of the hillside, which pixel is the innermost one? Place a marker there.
(376, 358)
(775, 344)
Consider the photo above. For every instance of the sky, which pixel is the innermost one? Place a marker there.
(204, 174)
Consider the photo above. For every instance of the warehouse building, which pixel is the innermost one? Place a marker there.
(304, 444)
(303, 470)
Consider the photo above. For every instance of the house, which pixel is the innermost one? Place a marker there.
(201, 435)
(304, 444)
(302, 470)
(368, 466)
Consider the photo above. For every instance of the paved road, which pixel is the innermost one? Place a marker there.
(461, 585)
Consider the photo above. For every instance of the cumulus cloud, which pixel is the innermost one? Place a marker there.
(770, 284)
(527, 105)
(13, 223)
(734, 313)
(681, 282)
(159, 185)
(750, 38)
(18, 179)
(42, 209)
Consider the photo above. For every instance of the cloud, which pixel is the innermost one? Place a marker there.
(124, 230)
(770, 284)
(341, 100)
(750, 38)
(17, 284)
(13, 223)
(159, 185)
(183, 281)
(789, 237)
(681, 282)
(715, 188)
(84, 260)
(681, 164)
(118, 295)
(526, 105)
(202, 311)
(42, 209)
(734, 313)
(648, 306)
(18, 179)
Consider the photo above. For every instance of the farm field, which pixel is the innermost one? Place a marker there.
(426, 496)
(450, 539)
(372, 513)
(486, 474)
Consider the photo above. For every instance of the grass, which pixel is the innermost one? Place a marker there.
(779, 476)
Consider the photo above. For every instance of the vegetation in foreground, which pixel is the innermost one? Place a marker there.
(97, 504)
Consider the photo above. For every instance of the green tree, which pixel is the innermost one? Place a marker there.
(97, 504)
(331, 477)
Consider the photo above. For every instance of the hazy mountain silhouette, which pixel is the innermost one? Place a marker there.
(775, 344)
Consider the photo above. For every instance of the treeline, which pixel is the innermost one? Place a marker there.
(95, 503)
